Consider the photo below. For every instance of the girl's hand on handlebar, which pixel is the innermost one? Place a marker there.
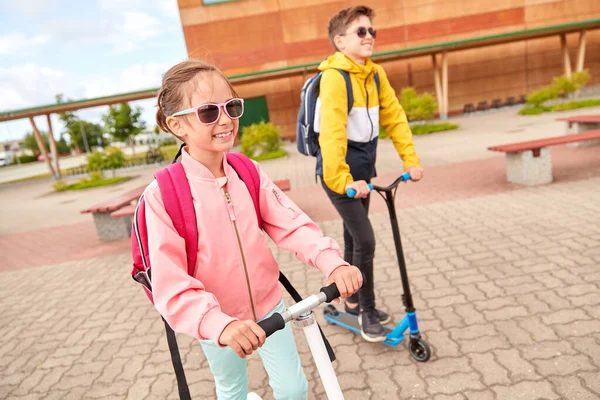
(416, 173)
(361, 187)
(348, 280)
(244, 337)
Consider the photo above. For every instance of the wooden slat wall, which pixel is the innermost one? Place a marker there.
(248, 35)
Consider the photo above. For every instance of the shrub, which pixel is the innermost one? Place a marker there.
(113, 159)
(95, 162)
(27, 159)
(417, 107)
(581, 78)
(561, 86)
(60, 185)
(260, 139)
(169, 152)
(540, 96)
(95, 176)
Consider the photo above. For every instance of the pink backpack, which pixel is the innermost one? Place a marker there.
(177, 198)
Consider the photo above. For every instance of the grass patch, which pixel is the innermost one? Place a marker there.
(572, 105)
(424, 129)
(534, 110)
(576, 104)
(271, 155)
(61, 186)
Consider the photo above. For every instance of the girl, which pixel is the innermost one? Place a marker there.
(236, 278)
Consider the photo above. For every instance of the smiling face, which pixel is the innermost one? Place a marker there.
(205, 139)
(349, 42)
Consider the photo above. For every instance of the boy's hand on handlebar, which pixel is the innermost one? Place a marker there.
(244, 337)
(416, 173)
(348, 280)
(361, 187)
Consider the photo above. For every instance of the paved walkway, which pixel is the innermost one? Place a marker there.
(505, 279)
(507, 288)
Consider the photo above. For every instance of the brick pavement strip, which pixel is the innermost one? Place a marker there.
(514, 317)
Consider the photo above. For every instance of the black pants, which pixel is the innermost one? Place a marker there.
(359, 242)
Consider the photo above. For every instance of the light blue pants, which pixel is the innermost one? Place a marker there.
(280, 358)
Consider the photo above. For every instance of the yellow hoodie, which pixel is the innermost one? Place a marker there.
(348, 142)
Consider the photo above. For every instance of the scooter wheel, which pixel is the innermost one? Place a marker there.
(419, 350)
(331, 310)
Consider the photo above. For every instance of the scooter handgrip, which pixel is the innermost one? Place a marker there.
(331, 292)
(406, 176)
(272, 324)
(351, 192)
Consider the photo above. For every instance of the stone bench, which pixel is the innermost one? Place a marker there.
(112, 217)
(529, 163)
(583, 123)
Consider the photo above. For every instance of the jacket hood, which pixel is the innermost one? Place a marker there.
(341, 61)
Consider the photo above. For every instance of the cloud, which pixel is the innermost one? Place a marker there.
(13, 42)
(124, 25)
(29, 85)
(128, 32)
(133, 78)
(164, 8)
(134, 29)
(79, 31)
(169, 8)
(34, 8)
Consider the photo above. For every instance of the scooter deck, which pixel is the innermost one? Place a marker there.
(348, 321)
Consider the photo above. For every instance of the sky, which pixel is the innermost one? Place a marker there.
(83, 49)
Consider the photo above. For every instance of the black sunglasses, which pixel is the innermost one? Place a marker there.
(361, 32)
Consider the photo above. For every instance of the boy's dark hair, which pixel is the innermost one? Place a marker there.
(340, 21)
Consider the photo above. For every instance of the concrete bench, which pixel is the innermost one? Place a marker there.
(582, 123)
(529, 163)
(112, 218)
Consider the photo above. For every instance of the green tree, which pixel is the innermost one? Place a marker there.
(124, 123)
(30, 143)
(75, 128)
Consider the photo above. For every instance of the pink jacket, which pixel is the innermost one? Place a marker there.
(236, 274)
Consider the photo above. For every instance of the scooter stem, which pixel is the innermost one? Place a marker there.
(306, 321)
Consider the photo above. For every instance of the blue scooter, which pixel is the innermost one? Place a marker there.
(418, 348)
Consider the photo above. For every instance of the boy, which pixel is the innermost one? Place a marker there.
(348, 145)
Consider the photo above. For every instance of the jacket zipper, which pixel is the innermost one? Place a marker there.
(368, 113)
(237, 235)
(281, 202)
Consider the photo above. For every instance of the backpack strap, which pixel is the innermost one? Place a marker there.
(346, 76)
(177, 198)
(248, 173)
(182, 385)
(377, 82)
